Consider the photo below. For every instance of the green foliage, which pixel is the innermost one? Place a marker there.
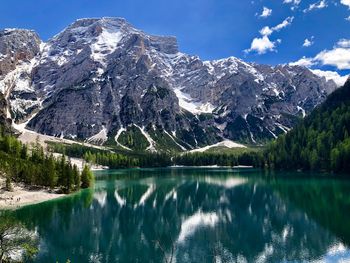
(111, 159)
(320, 142)
(34, 167)
(219, 156)
(133, 139)
(247, 157)
(87, 177)
(164, 141)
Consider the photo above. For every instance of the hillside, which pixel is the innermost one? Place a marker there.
(319, 142)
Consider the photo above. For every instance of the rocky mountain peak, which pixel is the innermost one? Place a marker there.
(107, 32)
(17, 45)
(101, 79)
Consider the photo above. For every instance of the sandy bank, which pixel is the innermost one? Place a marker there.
(21, 196)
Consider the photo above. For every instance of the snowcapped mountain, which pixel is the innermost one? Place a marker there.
(104, 81)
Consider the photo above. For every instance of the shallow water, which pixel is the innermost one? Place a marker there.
(196, 215)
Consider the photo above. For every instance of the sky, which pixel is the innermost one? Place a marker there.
(313, 33)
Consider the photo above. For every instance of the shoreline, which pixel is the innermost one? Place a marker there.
(213, 166)
(22, 196)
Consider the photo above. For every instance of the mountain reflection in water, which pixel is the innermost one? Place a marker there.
(195, 215)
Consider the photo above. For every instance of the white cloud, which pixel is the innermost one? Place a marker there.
(318, 5)
(284, 24)
(338, 57)
(266, 12)
(295, 3)
(344, 43)
(347, 18)
(304, 62)
(331, 75)
(266, 31)
(345, 2)
(262, 45)
(308, 42)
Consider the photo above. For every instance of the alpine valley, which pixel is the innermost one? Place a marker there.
(105, 82)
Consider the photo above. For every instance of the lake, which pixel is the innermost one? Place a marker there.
(196, 215)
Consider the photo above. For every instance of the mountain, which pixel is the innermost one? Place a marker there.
(321, 141)
(104, 81)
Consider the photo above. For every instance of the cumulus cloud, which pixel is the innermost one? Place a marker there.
(318, 5)
(308, 42)
(263, 44)
(304, 62)
(338, 56)
(345, 2)
(266, 12)
(331, 75)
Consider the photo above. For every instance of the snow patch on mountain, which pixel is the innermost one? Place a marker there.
(182, 148)
(18, 79)
(282, 127)
(302, 111)
(187, 102)
(106, 44)
(60, 56)
(16, 82)
(120, 131)
(100, 137)
(151, 142)
(225, 143)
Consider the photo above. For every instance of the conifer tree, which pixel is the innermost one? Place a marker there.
(86, 177)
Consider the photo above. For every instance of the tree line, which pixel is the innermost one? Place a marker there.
(130, 160)
(33, 167)
(246, 158)
(112, 159)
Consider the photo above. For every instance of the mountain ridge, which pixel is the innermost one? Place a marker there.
(99, 78)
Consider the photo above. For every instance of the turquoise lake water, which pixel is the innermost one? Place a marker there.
(196, 215)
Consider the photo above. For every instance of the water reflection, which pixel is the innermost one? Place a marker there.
(195, 216)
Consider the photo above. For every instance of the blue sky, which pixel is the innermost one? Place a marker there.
(213, 29)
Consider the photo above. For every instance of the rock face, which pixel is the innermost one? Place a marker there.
(5, 123)
(17, 45)
(18, 50)
(98, 78)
